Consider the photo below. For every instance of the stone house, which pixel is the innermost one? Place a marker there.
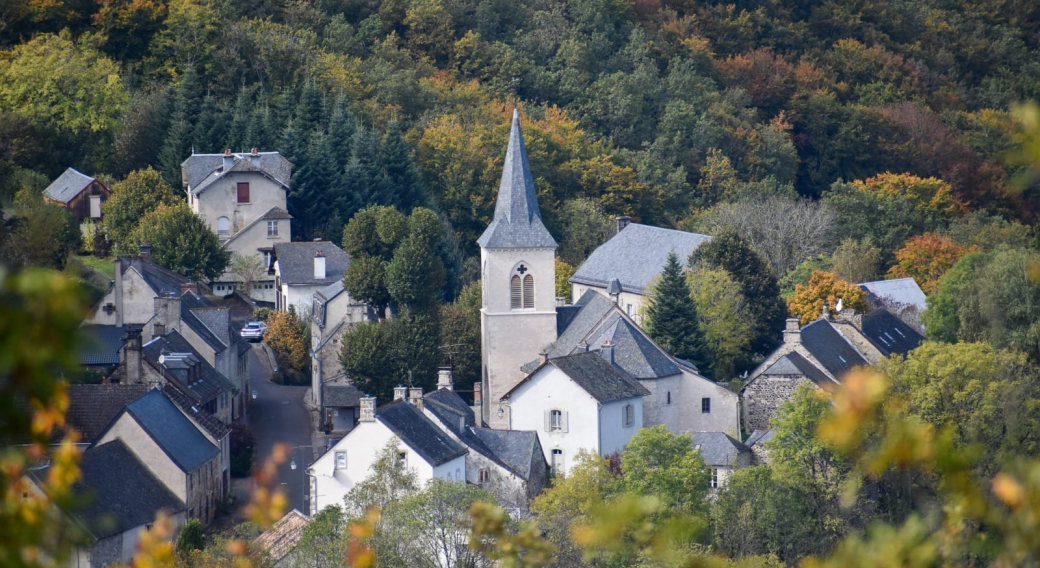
(756, 442)
(624, 268)
(242, 197)
(821, 353)
(722, 455)
(301, 269)
(421, 446)
(576, 402)
(118, 498)
(80, 195)
(902, 296)
(333, 312)
(173, 449)
(131, 297)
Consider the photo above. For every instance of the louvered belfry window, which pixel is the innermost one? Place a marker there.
(529, 291)
(515, 296)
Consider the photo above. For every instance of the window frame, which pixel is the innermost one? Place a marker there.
(341, 458)
(628, 415)
(272, 233)
(556, 420)
(706, 405)
(554, 464)
(223, 219)
(238, 192)
(714, 481)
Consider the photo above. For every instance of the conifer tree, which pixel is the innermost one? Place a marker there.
(206, 126)
(401, 175)
(672, 316)
(342, 125)
(309, 109)
(240, 120)
(311, 182)
(258, 129)
(362, 182)
(179, 136)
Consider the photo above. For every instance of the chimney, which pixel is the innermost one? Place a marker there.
(400, 392)
(167, 309)
(583, 346)
(792, 332)
(607, 351)
(415, 397)
(319, 265)
(146, 251)
(229, 159)
(477, 397)
(623, 222)
(856, 320)
(130, 356)
(189, 287)
(543, 356)
(254, 152)
(444, 380)
(826, 313)
(368, 409)
(561, 301)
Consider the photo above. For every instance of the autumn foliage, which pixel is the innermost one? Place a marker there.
(925, 258)
(287, 337)
(824, 288)
(928, 196)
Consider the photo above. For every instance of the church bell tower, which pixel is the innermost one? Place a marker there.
(518, 276)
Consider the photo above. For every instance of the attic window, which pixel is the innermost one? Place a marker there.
(243, 192)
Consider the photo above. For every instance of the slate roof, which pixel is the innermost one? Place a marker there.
(172, 431)
(211, 323)
(279, 540)
(93, 407)
(340, 395)
(591, 371)
(635, 256)
(296, 262)
(162, 281)
(597, 320)
(332, 290)
(831, 349)
(119, 493)
(564, 317)
(68, 185)
(211, 423)
(197, 171)
(419, 433)
(793, 364)
(514, 448)
(889, 334)
(209, 382)
(101, 344)
(446, 400)
(518, 221)
(717, 448)
(274, 213)
(899, 290)
(759, 437)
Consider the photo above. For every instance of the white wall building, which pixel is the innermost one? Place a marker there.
(333, 312)
(301, 269)
(577, 402)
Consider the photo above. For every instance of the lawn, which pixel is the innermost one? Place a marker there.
(104, 266)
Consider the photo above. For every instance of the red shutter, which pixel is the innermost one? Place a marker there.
(243, 192)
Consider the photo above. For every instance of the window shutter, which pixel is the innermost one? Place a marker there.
(529, 291)
(565, 421)
(515, 300)
(548, 420)
(243, 192)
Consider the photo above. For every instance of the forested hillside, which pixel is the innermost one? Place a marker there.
(659, 109)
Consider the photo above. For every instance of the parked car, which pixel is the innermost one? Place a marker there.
(254, 331)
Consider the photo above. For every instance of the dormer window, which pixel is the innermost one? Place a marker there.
(521, 288)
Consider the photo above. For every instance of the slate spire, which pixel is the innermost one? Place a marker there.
(517, 222)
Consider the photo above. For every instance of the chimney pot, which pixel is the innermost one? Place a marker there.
(400, 392)
(608, 351)
(561, 301)
(622, 222)
(189, 287)
(146, 251)
(319, 265)
(444, 379)
(543, 356)
(254, 152)
(227, 151)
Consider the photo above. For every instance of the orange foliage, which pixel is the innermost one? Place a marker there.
(928, 195)
(824, 287)
(925, 258)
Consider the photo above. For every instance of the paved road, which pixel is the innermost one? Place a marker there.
(278, 415)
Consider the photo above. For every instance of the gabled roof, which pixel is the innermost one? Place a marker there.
(331, 291)
(209, 382)
(68, 185)
(516, 449)
(118, 492)
(279, 540)
(793, 364)
(830, 348)
(595, 375)
(101, 344)
(518, 221)
(273, 214)
(172, 431)
(93, 407)
(296, 262)
(340, 395)
(889, 334)
(418, 433)
(717, 448)
(162, 281)
(201, 170)
(211, 323)
(759, 437)
(635, 256)
(210, 423)
(897, 291)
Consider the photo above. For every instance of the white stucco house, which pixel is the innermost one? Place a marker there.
(333, 312)
(301, 269)
(577, 402)
(421, 445)
(722, 456)
(242, 197)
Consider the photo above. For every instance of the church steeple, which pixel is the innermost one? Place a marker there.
(518, 221)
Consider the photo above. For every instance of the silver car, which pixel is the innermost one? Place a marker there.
(254, 331)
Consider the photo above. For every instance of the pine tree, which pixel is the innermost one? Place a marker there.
(178, 142)
(342, 126)
(672, 316)
(362, 183)
(240, 120)
(399, 170)
(257, 131)
(208, 120)
(309, 108)
(312, 180)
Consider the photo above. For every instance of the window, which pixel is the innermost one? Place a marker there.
(515, 298)
(669, 397)
(341, 460)
(557, 462)
(705, 406)
(223, 226)
(714, 478)
(629, 310)
(521, 289)
(484, 475)
(272, 228)
(243, 192)
(628, 416)
(529, 291)
(402, 459)
(555, 420)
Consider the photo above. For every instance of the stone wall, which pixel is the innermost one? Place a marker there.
(764, 396)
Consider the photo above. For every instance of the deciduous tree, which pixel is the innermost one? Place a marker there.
(925, 258)
(724, 316)
(181, 241)
(132, 198)
(825, 289)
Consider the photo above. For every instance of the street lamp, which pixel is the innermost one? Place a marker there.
(303, 476)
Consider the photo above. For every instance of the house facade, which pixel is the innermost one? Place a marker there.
(333, 312)
(302, 269)
(80, 195)
(577, 402)
(138, 282)
(242, 197)
(722, 455)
